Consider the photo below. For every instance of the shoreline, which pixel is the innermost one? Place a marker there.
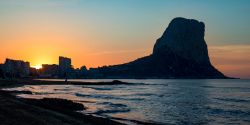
(47, 111)
(50, 111)
(22, 82)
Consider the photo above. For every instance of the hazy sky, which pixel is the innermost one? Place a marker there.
(105, 32)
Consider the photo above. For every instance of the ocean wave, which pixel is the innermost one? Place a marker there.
(99, 112)
(227, 112)
(233, 100)
(98, 88)
(99, 96)
(144, 94)
(241, 88)
(113, 104)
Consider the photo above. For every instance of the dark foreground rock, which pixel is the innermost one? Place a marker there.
(181, 52)
(56, 104)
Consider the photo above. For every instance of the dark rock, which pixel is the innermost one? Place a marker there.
(21, 92)
(57, 104)
(185, 37)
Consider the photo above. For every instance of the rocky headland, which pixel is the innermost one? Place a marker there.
(181, 52)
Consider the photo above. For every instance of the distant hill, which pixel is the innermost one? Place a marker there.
(181, 52)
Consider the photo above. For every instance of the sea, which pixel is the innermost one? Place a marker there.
(157, 101)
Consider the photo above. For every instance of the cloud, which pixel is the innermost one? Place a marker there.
(238, 54)
(231, 48)
(233, 60)
(120, 52)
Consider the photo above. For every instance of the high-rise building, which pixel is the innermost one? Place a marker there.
(64, 66)
(16, 68)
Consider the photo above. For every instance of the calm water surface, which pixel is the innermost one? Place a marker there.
(159, 101)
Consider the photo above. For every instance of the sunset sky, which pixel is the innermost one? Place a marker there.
(105, 32)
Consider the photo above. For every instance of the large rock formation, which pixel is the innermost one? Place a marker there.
(181, 52)
(185, 37)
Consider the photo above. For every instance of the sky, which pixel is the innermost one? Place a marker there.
(106, 32)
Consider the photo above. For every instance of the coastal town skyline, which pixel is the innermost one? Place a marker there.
(40, 31)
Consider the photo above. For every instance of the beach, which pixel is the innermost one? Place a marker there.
(20, 111)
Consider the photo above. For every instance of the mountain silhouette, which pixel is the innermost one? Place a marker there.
(181, 52)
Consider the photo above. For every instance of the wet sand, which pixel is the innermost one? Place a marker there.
(19, 111)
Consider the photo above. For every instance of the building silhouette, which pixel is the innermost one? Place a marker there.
(49, 70)
(16, 68)
(65, 66)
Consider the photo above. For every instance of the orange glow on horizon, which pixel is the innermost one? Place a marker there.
(37, 66)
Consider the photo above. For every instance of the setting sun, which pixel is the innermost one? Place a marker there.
(37, 66)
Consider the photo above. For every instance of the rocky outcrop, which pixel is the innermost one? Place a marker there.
(185, 37)
(181, 52)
